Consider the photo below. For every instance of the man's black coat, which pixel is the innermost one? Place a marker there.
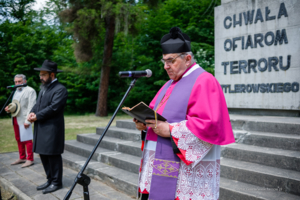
(49, 129)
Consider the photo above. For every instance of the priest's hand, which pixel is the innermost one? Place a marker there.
(139, 125)
(161, 128)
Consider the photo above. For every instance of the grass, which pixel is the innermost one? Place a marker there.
(74, 124)
(7, 194)
(8, 142)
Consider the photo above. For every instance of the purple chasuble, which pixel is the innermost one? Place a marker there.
(166, 163)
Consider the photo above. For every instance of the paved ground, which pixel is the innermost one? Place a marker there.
(23, 182)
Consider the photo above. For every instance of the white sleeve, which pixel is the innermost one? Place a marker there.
(191, 147)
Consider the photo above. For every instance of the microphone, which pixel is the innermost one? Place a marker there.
(136, 74)
(16, 86)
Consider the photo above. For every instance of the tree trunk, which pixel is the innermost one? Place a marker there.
(101, 109)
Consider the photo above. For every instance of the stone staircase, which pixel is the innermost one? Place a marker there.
(264, 163)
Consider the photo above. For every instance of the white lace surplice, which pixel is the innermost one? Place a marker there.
(147, 168)
(199, 180)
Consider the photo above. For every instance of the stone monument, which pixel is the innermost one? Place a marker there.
(257, 55)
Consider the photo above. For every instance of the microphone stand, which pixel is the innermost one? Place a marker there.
(11, 94)
(83, 179)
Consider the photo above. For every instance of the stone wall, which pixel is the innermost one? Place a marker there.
(257, 53)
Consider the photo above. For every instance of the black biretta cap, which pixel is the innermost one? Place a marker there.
(175, 42)
(49, 66)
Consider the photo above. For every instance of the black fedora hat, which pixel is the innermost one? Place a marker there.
(49, 66)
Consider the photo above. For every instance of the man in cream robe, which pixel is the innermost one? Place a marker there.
(27, 98)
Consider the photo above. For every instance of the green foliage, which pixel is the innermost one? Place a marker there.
(17, 10)
(24, 46)
(195, 18)
(81, 91)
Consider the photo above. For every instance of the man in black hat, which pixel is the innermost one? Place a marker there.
(49, 128)
(181, 157)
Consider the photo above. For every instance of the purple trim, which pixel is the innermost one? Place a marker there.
(165, 168)
(162, 94)
(180, 96)
(163, 186)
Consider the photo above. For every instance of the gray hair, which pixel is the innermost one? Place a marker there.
(189, 53)
(21, 76)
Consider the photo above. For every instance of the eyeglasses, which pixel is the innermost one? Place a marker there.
(170, 61)
(42, 75)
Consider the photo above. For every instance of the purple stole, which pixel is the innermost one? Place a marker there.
(166, 164)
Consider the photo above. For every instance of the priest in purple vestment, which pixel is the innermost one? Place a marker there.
(181, 157)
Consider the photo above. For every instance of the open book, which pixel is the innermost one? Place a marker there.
(142, 112)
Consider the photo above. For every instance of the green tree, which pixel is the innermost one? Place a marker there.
(24, 47)
(95, 23)
(195, 18)
(136, 46)
(19, 10)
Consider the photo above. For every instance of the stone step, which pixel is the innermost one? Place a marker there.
(266, 139)
(119, 179)
(114, 158)
(260, 175)
(266, 156)
(121, 133)
(284, 159)
(127, 124)
(236, 190)
(273, 124)
(127, 182)
(115, 144)
(247, 172)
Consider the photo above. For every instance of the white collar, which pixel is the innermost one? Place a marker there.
(54, 80)
(191, 70)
